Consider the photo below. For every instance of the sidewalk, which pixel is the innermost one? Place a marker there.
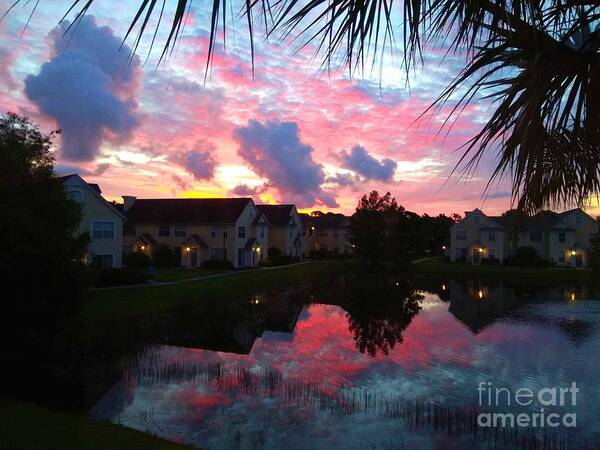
(205, 277)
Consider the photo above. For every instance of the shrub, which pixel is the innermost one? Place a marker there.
(527, 257)
(137, 260)
(594, 258)
(283, 260)
(273, 252)
(222, 264)
(163, 256)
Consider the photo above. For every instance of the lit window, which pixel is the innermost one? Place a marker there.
(103, 230)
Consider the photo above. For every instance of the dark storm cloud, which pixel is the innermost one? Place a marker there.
(359, 160)
(88, 87)
(274, 151)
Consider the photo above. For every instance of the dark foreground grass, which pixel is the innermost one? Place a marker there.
(25, 426)
(146, 301)
(506, 273)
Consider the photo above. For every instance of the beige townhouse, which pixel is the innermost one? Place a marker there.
(198, 229)
(561, 238)
(101, 219)
(285, 228)
(326, 233)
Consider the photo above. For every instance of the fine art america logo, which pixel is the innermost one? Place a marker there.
(548, 407)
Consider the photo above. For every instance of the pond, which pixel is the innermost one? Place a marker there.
(373, 363)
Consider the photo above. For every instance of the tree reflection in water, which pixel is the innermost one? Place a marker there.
(378, 311)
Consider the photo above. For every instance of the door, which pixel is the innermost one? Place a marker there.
(194, 257)
(476, 256)
(579, 259)
(240, 257)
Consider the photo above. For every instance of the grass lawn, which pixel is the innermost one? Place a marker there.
(182, 273)
(25, 426)
(150, 300)
(507, 273)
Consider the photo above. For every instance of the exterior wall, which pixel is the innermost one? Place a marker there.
(331, 239)
(95, 209)
(225, 236)
(577, 226)
(250, 258)
(469, 228)
(283, 237)
(261, 233)
(202, 230)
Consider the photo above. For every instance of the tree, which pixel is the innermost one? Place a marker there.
(40, 247)
(163, 256)
(539, 62)
(373, 227)
(594, 257)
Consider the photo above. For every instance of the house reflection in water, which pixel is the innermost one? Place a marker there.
(478, 305)
(234, 327)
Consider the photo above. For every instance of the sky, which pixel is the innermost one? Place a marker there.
(290, 134)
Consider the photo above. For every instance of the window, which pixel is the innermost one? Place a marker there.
(180, 230)
(219, 254)
(103, 230)
(103, 261)
(164, 230)
(262, 231)
(492, 253)
(461, 253)
(76, 196)
(492, 235)
(562, 236)
(535, 236)
(241, 232)
(461, 235)
(213, 234)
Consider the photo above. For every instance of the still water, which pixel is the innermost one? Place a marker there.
(378, 364)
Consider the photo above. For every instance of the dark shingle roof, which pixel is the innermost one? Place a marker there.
(535, 223)
(277, 214)
(187, 210)
(329, 220)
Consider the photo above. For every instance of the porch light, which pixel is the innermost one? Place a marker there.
(480, 294)
(188, 249)
(142, 247)
(443, 287)
(257, 249)
(480, 250)
(573, 252)
(443, 247)
(572, 297)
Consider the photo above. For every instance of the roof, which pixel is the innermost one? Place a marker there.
(250, 244)
(97, 191)
(277, 214)
(196, 240)
(329, 220)
(147, 239)
(535, 223)
(187, 210)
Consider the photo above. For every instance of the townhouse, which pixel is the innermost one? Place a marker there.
(326, 233)
(101, 219)
(561, 238)
(285, 228)
(198, 229)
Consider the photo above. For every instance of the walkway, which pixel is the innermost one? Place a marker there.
(205, 277)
